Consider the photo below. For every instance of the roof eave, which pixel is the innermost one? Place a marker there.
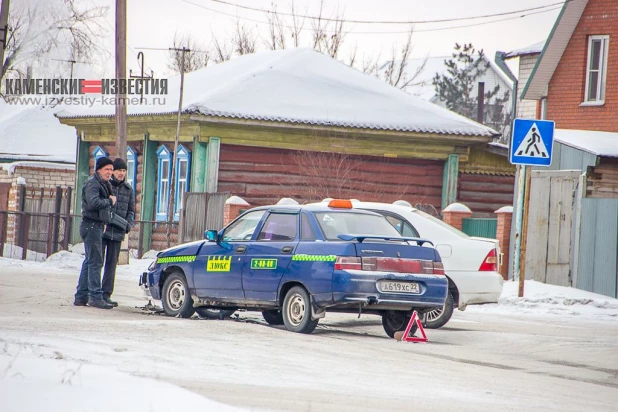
(552, 51)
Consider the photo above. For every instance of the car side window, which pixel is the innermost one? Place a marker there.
(243, 228)
(279, 227)
(402, 226)
(307, 230)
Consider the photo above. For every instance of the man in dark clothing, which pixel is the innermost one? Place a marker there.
(114, 235)
(97, 200)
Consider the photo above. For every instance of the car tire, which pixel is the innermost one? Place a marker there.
(436, 318)
(221, 314)
(175, 298)
(397, 321)
(296, 311)
(273, 317)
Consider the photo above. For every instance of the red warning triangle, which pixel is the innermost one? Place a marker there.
(406, 335)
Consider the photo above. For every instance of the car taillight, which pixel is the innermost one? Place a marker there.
(384, 264)
(438, 268)
(348, 263)
(490, 264)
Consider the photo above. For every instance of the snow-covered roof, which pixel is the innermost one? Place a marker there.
(597, 143)
(535, 48)
(299, 86)
(10, 167)
(33, 133)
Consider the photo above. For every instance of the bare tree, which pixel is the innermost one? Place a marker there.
(223, 50)
(395, 71)
(196, 59)
(276, 30)
(297, 26)
(38, 30)
(328, 36)
(244, 39)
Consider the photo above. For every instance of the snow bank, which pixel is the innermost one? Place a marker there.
(58, 385)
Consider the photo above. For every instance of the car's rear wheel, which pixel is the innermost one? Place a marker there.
(175, 298)
(396, 321)
(273, 317)
(297, 311)
(436, 318)
(207, 313)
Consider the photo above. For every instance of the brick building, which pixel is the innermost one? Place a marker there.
(575, 83)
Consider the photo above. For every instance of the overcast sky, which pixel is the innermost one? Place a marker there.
(152, 23)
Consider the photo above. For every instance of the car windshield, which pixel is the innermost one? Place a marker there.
(441, 223)
(334, 224)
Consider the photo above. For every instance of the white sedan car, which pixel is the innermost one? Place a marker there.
(470, 263)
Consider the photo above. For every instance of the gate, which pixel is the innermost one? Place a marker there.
(550, 226)
(202, 211)
(480, 227)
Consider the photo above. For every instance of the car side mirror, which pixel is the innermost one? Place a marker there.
(211, 235)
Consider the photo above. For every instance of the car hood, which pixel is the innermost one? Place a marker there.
(186, 249)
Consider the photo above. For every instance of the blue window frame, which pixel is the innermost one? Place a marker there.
(183, 172)
(131, 167)
(98, 153)
(164, 175)
(182, 180)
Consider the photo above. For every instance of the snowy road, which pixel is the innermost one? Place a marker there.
(497, 357)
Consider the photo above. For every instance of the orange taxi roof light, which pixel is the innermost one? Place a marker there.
(340, 203)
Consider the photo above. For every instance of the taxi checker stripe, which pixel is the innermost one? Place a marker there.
(176, 259)
(315, 258)
(220, 258)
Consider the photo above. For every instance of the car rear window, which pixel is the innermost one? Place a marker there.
(334, 224)
(441, 223)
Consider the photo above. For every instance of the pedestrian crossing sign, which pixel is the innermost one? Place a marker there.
(532, 142)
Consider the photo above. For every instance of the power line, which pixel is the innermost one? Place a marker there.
(394, 22)
(378, 32)
(172, 49)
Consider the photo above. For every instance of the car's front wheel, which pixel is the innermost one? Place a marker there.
(397, 321)
(207, 313)
(176, 298)
(436, 318)
(297, 311)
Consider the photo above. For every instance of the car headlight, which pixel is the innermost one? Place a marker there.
(153, 265)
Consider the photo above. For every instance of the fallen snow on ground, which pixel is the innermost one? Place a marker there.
(36, 384)
(539, 299)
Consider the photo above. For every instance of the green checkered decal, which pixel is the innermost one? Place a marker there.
(315, 258)
(176, 259)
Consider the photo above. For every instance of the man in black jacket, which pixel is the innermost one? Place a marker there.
(97, 200)
(114, 235)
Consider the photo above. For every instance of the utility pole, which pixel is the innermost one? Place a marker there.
(4, 31)
(170, 209)
(121, 75)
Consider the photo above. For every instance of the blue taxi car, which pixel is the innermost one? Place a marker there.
(294, 263)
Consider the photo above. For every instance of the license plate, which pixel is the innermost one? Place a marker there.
(388, 286)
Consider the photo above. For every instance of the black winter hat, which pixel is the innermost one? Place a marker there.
(102, 162)
(120, 164)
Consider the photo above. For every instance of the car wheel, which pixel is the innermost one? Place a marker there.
(438, 317)
(176, 298)
(396, 321)
(297, 311)
(207, 313)
(273, 317)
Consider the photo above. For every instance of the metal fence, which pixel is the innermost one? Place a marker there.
(35, 236)
(480, 227)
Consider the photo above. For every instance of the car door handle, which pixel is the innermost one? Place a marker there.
(241, 249)
(287, 249)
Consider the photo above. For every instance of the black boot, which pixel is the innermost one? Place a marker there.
(111, 302)
(99, 303)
